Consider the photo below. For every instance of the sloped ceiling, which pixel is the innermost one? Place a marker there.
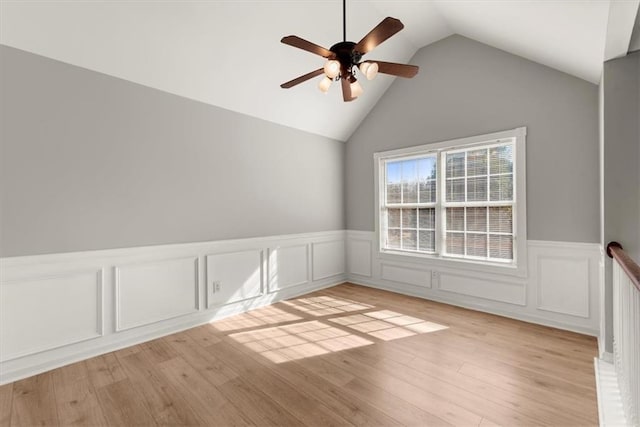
(228, 53)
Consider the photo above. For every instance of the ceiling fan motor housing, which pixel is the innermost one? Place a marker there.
(346, 55)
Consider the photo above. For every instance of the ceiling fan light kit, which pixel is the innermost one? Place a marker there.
(345, 57)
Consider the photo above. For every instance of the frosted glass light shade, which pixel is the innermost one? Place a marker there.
(356, 89)
(324, 84)
(369, 69)
(332, 68)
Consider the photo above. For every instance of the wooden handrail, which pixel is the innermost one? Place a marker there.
(615, 250)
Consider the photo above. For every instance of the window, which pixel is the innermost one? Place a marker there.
(456, 200)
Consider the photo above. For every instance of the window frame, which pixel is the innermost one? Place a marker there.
(518, 266)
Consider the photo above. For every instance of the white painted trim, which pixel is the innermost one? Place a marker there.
(490, 307)
(105, 264)
(146, 250)
(610, 412)
(519, 265)
(117, 270)
(522, 302)
(99, 330)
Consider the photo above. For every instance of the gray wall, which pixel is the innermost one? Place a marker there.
(90, 161)
(622, 153)
(466, 88)
(620, 172)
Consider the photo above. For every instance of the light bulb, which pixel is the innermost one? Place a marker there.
(369, 69)
(356, 89)
(332, 68)
(324, 84)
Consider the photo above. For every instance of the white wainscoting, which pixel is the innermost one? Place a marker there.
(150, 292)
(328, 258)
(560, 289)
(234, 277)
(60, 308)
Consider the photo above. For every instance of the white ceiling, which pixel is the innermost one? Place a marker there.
(228, 53)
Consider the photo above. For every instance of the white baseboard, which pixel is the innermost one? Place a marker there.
(61, 308)
(561, 287)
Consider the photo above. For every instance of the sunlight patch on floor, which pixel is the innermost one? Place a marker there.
(387, 325)
(326, 305)
(261, 317)
(299, 340)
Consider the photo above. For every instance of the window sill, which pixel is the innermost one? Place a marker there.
(438, 261)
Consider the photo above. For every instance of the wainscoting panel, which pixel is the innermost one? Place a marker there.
(512, 293)
(560, 287)
(563, 285)
(404, 274)
(234, 277)
(153, 291)
(288, 266)
(328, 259)
(61, 308)
(359, 256)
(45, 312)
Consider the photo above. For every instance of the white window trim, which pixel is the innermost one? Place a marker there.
(519, 267)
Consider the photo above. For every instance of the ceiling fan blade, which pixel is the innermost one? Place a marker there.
(346, 91)
(385, 29)
(304, 78)
(303, 44)
(394, 69)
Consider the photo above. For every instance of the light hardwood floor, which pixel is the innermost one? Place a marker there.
(348, 355)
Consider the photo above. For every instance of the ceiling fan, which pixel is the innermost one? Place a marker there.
(345, 57)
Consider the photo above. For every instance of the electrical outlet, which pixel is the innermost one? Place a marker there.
(216, 286)
(434, 277)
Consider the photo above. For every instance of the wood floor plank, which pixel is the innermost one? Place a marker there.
(208, 366)
(34, 402)
(104, 370)
(308, 410)
(346, 355)
(75, 397)
(6, 399)
(166, 404)
(326, 385)
(203, 397)
(123, 406)
(257, 406)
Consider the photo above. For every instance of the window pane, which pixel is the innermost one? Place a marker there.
(393, 240)
(393, 218)
(501, 219)
(427, 191)
(477, 162)
(427, 168)
(410, 181)
(502, 188)
(455, 190)
(500, 247)
(427, 241)
(427, 218)
(455, 243)
(477, 189)
(455, 219)
(409, 218)
(477, 245)
(501, 159)
(455, 165)
(394, 179)
(409, 239)
(476, 219)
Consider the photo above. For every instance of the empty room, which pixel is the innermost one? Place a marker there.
(320, 212)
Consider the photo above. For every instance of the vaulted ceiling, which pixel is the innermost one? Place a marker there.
(228, 53)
